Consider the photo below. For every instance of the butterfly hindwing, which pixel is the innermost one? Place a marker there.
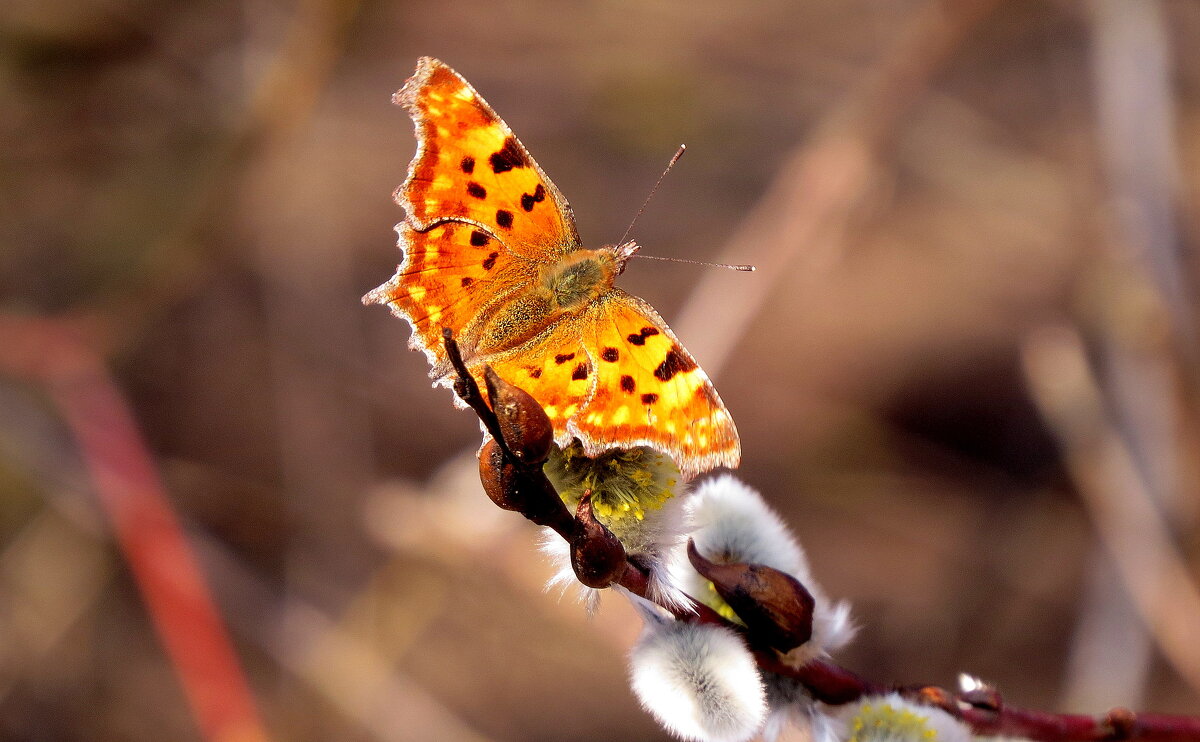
(470, 166)
(650, 391)
(554, 368)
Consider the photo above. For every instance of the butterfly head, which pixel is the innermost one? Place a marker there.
(623, 252)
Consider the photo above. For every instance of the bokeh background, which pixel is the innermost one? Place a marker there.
(966, 370)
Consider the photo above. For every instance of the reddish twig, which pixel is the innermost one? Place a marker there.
(54, 355)
(1118, 724)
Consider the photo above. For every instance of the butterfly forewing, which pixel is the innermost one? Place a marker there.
(470, 166)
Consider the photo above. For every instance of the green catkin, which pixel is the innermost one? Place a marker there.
(626, 484)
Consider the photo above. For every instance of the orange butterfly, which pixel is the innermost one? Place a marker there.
(492, 252)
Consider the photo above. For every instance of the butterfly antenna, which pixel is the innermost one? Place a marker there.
(674, 159)
(730, 266)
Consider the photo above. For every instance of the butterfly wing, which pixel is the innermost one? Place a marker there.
(554, 368)
(470, 167)
(480, 216)
(648, 390)
(453, 275)
(615, 376)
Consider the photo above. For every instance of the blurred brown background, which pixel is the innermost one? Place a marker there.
(966, 370)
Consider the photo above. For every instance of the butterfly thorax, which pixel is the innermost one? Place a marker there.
(564, 288)
(582, 276)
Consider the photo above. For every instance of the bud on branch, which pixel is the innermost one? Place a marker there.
(775, 607)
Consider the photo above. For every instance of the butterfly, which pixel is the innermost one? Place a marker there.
(491, 251)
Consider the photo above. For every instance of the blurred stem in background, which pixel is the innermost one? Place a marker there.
(795, 231)
(1137, 310)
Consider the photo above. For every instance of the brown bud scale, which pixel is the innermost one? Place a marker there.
(597, 556)
(776, 608)
(523, 423)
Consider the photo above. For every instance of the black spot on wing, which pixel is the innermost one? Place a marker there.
(628, 385)
(639, 338)
(490, 261)
(580, 373)
(468, 164)
(508, 157)
(504, 218)
(476, 190)
(649, 398)
(535, 373)
(610, 354)
(562, 358)
(529, 199)
(466, 281)
(479, 239)
(675, 362)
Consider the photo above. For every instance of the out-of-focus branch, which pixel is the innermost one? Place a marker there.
(1139, 325)
(1128, 522)
(1131, 63)
(55, 357)
(280, 102)
(796, 227)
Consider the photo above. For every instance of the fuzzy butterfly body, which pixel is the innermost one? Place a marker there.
(491, 251)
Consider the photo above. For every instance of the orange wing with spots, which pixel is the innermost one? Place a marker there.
(615, 376)
(469, 166)
(481, 216)
(453, 275)
(648, 390)
(555, 369)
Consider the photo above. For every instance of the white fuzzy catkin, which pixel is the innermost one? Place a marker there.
(890, 718)
(663, 524)
(698, 680)
(729, 521)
